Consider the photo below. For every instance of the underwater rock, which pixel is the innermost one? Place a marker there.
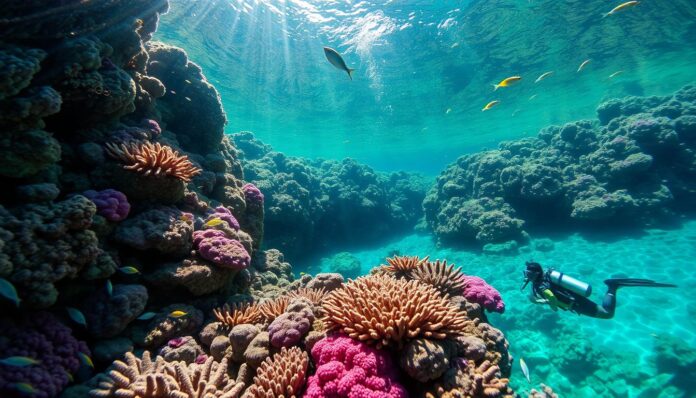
(164, 327)
(240, 337)
(326, 281)
(196, 276)
(257, 350)
(109, 314)
(107, 351)
(184, 349)
(161, 228)
(426, 360)
(543, 245)
(342, 263)
(508, 248)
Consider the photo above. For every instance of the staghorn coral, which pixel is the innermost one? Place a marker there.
(155, 160)
(143, 378)
(237, 314)
(389, 312)
(41, 336)
(400, 266)
(283, 375)
(439, 275)
(350, 368)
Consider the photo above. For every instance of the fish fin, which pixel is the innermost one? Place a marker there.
(495, 87)
(350, 73)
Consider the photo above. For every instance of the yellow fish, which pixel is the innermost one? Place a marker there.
(177, 314)
(213, 222)
(583, 64)
(621, 6)
(543, 76)
(129, 270)
(613, 75)
(507, 82)
(24, 388)
(19, 362)
(86, 360)
(490, 105)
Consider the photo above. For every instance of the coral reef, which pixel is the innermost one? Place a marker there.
(630, 169)
(280, 376)
(312, 205)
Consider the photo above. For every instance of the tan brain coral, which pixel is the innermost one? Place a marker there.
(385, 311)
(153, 160)
(280, 376)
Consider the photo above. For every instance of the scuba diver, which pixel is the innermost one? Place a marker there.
(562, 291)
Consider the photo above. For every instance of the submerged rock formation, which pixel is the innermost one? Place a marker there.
(635, 166)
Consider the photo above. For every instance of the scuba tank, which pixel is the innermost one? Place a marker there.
(570, 283)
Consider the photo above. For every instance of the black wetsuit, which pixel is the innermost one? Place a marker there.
(576, 303)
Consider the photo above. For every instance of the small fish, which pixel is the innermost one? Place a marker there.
(177, 314)
(525, 370)
(86, 359)
(186, 217)
(109, 287)
(187, 81)
(302, 273)
(543, 76)
(213, 222)
(336, 60)
(455, 45)
(77, 316)
(507, 82)
(490, 105)
(188, 99)
(613, 75)
(620, 7)
(19, 362)
(25, 388)
(583, 65)
(532, 97)
(515, 112)
(147, 315)
(8, 291)
(129, 270)
(448, 111)
(70, 376)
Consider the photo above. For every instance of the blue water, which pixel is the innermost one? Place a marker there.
(424, 69)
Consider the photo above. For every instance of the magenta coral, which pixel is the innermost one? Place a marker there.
(42, 337)
(152, 125)
(478, 291)
(225, 215)
(111, 204)
(350, 368)
(252, 194)
(215, 246)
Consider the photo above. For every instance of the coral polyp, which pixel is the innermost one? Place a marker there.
(153, 159)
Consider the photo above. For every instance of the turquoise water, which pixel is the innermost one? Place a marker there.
(643, 316)
(424, 69)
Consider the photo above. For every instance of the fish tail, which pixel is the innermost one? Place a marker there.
(606, 15)
(350, 73)
(496, 86)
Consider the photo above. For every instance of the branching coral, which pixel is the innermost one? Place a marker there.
(153, 160)
(315, 296)
(238, 314)
(385, 311)
(466, 379)
(271, 309)
(442, 277)
(280, 376)
(143, 378)
(400, 266)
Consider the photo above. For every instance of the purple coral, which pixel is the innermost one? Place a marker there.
(215, 246)
(252, 194)
(225, 215)
(111, 204)
(42, 337)
(289, 328)
(152, 125)
(478, 291)
(350, 368)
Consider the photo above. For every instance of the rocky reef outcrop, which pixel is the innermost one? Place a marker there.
(633, 167)
(314, 204)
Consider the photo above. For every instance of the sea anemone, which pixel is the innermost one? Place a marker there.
(153, 159)
(386, 311)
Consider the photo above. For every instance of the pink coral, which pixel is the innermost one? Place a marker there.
(215, 246)
(350, 368)
(478, 291)
(252, 194)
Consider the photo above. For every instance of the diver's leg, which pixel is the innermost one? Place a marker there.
(587, 307)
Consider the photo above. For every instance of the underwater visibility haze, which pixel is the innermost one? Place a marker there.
(338, 198)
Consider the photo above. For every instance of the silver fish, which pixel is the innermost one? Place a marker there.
(525, 369)
(146, 316)
(336, 60)
(8, 291)
(109, 287)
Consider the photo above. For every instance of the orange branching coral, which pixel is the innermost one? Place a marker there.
(238, 314)
(282, 376)
(315, 296)
(271, 309)
(400, 266)
(143, 378)
(442, 277)
(153, 159)
(468, 380)
(386, 311)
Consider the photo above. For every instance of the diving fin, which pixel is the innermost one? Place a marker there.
(618, 282)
